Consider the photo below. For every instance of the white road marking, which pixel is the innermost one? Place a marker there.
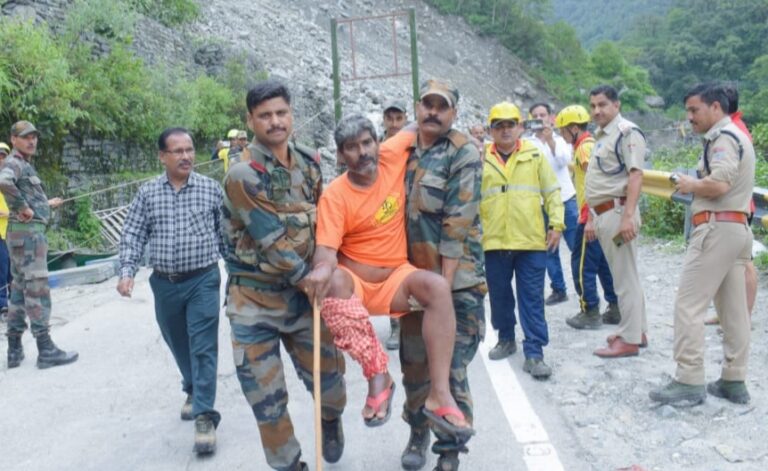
(538, 452)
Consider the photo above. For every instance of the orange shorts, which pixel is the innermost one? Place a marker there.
(377, 297)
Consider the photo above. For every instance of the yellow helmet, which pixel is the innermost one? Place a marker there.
(4, 148)
(574, 114)
(232, 134)
(504, 111)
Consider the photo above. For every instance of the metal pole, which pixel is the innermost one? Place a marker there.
(336, 75)
(414, 57)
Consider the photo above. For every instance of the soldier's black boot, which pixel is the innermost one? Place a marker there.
(333, 440)
(414, 456)
(49, 355)
(448, 461)
(15, 351)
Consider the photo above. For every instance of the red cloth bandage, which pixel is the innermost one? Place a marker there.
(348, 321)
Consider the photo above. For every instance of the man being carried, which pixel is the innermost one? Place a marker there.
(361, 222)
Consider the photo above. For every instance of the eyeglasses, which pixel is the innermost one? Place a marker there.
(181, 152)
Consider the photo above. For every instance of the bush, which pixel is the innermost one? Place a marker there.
(36, 83)
(168, 12)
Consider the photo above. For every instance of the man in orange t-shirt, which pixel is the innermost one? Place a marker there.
(361, 267)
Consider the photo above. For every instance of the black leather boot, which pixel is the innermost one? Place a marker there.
(15, 351)
(49, 355)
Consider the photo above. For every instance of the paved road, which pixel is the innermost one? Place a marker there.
(117, 407)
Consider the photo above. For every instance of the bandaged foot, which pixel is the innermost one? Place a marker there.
(348, 321)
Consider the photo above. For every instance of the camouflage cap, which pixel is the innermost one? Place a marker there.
(395, 105)
(4, 149)
(443, 89)
(242, 134)
(23, 128)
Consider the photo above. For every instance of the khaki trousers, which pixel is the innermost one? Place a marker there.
(714, 267)
(622, 261)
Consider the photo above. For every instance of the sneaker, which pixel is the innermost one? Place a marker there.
(502, 350)
(333, 440)
(612, 315)
(393, 342)
(414, 456)
(205, 435)
(589, 319)
(537, 368)
(734, 391)
(186, 409)
(556, 297)
(677, 393)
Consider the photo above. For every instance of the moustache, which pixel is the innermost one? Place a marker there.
(275, 129)
(432, 119)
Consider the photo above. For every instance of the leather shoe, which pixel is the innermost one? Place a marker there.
(333, 440)
(617, 348)
(643, 340)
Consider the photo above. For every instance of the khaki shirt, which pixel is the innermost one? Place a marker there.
(722, 151)
(604, 181)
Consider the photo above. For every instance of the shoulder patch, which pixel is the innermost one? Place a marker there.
(257, 166)
(458, 138)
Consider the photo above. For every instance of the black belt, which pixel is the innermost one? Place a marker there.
(184, 276)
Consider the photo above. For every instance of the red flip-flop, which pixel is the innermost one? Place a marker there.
(375, 404)
(437, 417)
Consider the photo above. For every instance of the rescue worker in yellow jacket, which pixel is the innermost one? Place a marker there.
(516, 178)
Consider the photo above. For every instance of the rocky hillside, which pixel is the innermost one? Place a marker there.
(292, 40)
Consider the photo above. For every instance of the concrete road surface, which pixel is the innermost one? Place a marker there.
(117, 408)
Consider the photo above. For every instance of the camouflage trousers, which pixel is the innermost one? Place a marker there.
(470, 330)
(30, 293)
(261, 320)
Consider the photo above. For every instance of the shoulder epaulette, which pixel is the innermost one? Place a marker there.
(458, 139)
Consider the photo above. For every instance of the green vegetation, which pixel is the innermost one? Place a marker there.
(553, 52)
(168, 12)
(613, 22)
(85, 81)
(86, 231)
(700, 40)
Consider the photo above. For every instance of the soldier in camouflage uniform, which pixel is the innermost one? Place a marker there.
(269, 218)
(443, 180)
(30, 211)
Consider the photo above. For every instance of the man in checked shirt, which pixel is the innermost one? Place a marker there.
(178, 213)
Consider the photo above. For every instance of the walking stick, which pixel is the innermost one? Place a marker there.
(317, 392)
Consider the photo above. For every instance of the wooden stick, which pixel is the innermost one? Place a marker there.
(317, 392)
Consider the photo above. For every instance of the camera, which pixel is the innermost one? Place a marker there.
(225, 144)
(674, 178)
(534, 125)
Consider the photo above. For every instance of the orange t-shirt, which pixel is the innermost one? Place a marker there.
(368, 224)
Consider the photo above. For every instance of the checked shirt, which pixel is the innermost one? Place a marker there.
(182, 228)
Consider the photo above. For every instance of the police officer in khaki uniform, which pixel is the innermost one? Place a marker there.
(718, 250)
(613, 182)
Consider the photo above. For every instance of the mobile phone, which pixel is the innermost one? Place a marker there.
(618, 240)
(533, 125)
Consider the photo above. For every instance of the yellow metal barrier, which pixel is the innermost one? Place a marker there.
(656, 183)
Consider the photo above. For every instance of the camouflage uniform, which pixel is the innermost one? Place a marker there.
(269, 223)
(443, 197)
(28, 247)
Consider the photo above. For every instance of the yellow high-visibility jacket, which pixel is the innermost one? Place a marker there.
(512, 193)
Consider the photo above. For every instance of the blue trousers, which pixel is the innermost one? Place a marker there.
(529, 266)
(554, 267)
(188, 315)
(587, 264)
(5, 274)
